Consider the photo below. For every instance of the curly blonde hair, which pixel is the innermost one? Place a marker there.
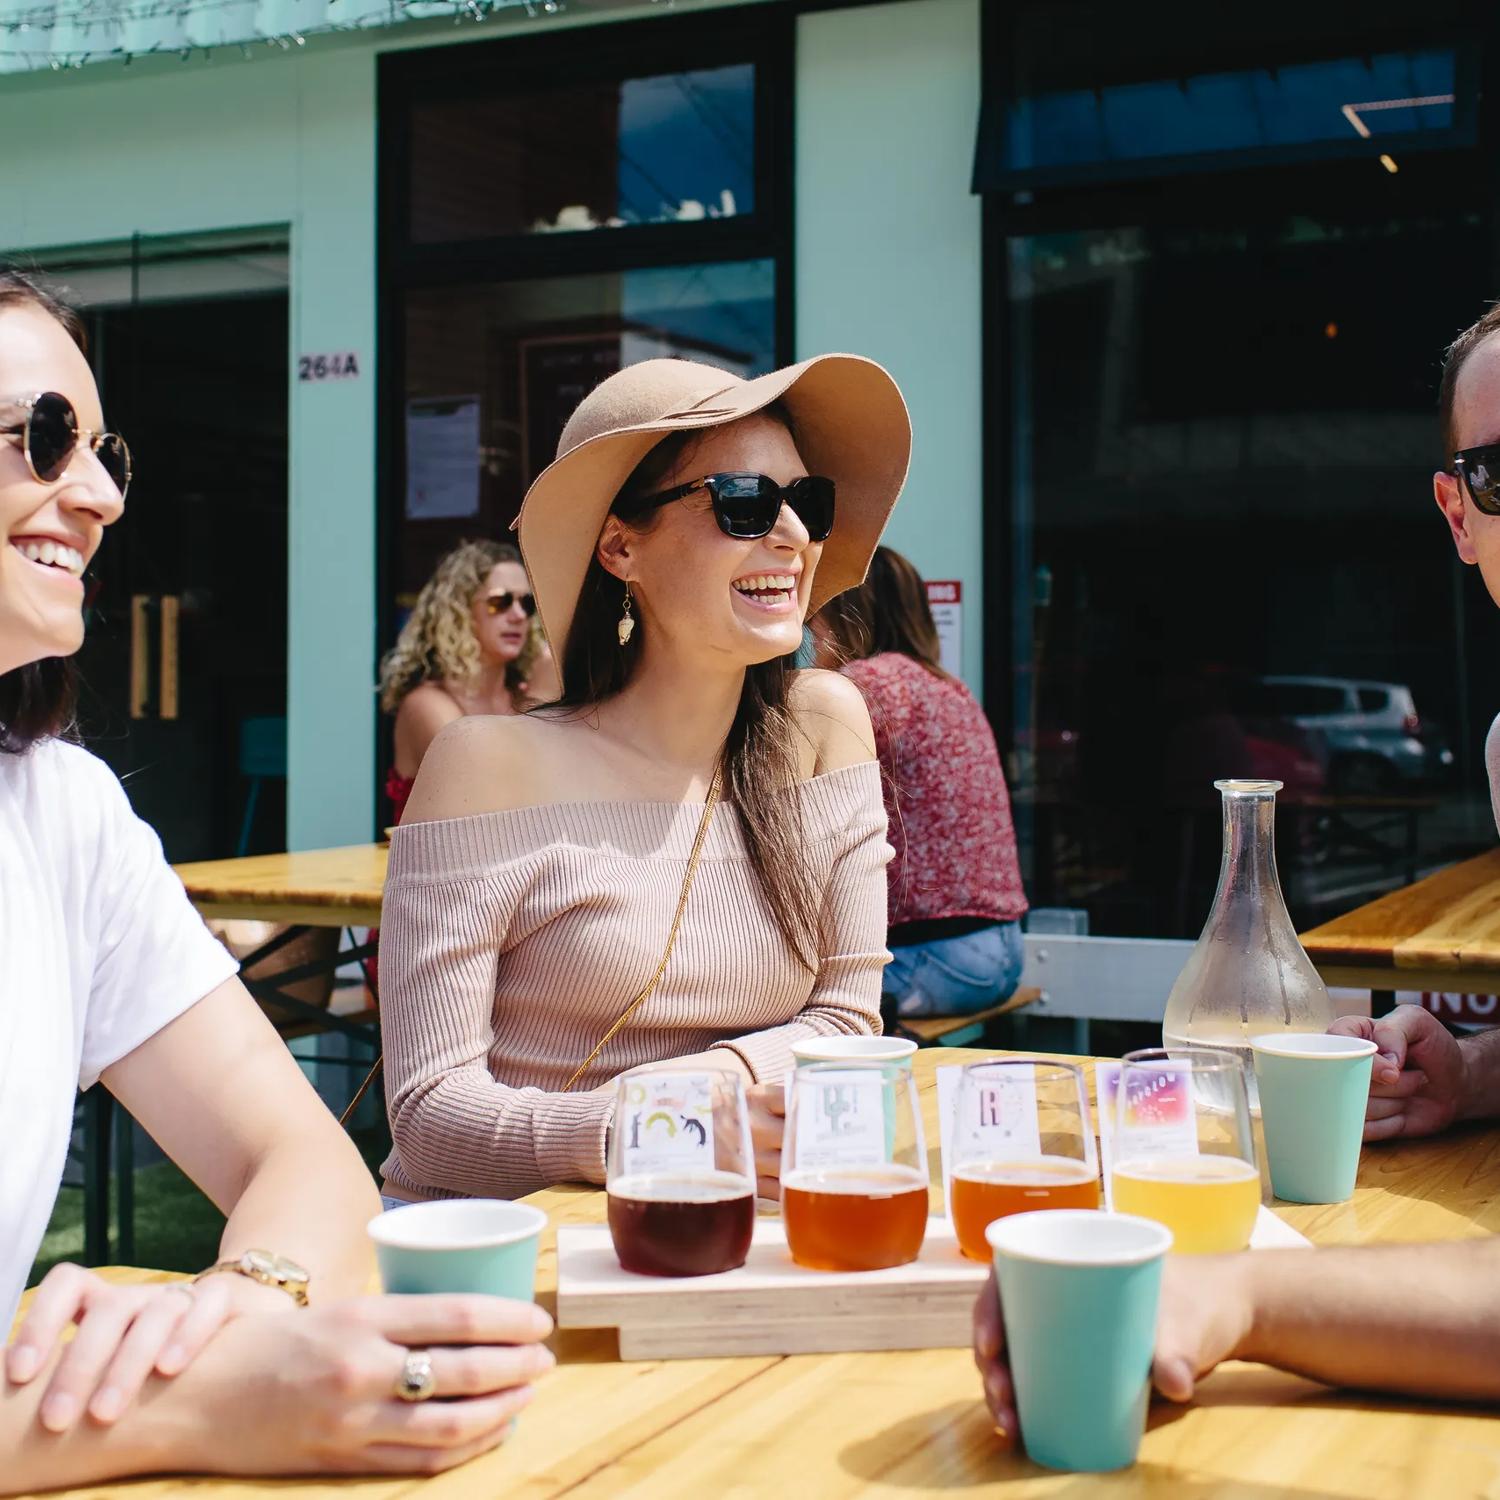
(437, 642)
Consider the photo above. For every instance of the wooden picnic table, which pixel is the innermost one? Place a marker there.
(912, 1424)
(1440, 934)
(313, 888)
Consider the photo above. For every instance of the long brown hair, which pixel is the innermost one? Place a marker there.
(37, 701)
(887, 612)
(759, 759)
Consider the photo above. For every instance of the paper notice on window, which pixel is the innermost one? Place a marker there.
(668, 1123)
(999, 1122)
(945, 598)
(442, 458)
(841, 1121)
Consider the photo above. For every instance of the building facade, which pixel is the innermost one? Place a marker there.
(1166, 299)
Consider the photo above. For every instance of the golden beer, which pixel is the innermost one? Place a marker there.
(1208, 1202)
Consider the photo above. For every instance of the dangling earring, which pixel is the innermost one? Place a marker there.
(627, 620)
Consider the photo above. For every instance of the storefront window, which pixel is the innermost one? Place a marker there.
(1225, 559)
(607, 154)
(501, 311)
(496, 369)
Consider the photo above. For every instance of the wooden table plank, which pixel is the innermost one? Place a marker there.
(313, 888)
(912, 1424)
(1441, 933)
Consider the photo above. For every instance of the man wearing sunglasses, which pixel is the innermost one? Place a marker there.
(1425, 1080)
(1422, 1319)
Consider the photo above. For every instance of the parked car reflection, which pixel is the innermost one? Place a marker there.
(1377, 743)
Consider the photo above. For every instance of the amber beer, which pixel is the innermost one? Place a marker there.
(681, 1225)
(983, 1191)
(854, 1218)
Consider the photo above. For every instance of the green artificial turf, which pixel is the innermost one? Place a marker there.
(176, 1227)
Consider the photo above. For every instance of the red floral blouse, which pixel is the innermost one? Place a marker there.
(945, 796)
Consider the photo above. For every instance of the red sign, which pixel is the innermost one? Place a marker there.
(945, 591)
(1479, 1010)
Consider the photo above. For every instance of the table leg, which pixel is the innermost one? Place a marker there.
(1382, 1002)
(98, 1105)
(124, 1186)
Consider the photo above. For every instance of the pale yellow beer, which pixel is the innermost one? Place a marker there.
(1208, 1202)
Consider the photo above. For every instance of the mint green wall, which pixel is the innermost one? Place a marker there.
(887, 265)
(888, 250)
(174, 147)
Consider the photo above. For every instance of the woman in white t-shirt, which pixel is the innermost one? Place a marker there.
(106, 973)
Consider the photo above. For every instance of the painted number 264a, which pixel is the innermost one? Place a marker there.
(327, 367)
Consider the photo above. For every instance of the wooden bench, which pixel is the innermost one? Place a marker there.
(962, 1031)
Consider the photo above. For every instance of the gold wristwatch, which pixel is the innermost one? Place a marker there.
(270, 1270)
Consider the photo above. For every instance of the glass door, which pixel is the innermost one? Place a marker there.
(184, 663)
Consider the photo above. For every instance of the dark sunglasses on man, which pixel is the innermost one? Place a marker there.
(500, 604)
(747, 506)
(50, 436)
(1479, 468)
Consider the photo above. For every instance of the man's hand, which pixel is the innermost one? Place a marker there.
(1419, 1084)
(1206, 1314)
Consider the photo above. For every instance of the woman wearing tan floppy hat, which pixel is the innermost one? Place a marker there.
(569, 897)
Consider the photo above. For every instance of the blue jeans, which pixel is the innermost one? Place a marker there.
(956, 976)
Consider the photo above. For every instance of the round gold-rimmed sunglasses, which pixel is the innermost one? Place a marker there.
(50, 436)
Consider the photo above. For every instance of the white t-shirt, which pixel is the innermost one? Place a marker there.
(99, 949)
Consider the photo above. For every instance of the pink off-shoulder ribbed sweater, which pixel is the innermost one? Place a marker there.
(510, 941)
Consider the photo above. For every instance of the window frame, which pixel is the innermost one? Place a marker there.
(764, 35)
(1221, 194)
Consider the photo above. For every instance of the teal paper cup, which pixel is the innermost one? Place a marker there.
(855, 1049)
(459, 1245)
(1313, 1090)
(1079, 1292)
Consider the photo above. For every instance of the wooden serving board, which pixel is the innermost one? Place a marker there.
(771, 1305)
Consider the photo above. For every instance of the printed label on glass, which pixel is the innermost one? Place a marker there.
(1159, 1118)
(1001, 1121)
(841, 1121)
(668, 1123)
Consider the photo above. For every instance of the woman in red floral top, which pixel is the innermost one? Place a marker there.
(955, 885)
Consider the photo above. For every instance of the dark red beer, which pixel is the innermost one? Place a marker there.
(667, 1225)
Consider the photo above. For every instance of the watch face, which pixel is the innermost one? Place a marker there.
(259, 1263)
(289, 1270)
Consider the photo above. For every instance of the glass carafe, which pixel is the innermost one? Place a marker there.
(1248, 974)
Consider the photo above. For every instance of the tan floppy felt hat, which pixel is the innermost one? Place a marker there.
(848, 419)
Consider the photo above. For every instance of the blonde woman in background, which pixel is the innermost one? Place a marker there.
(472, 645)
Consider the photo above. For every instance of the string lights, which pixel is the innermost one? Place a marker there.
(65, 35)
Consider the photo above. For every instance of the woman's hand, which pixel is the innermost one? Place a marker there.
(316, 1393)
(767, 1102)
(125, 1334)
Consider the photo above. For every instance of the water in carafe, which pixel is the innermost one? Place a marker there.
(1248, 973)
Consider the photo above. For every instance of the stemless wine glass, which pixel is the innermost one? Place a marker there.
(1022, 1140)
(1184, 1154)
(853, 1167)
(681, 1172)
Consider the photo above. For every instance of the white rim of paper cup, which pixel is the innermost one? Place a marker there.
(398, 1228)
(1318, 1046)
(854, 1049)
(1076, 1236)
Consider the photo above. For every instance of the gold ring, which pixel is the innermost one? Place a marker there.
(415, 1382)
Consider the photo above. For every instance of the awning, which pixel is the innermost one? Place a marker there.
(37, 35)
